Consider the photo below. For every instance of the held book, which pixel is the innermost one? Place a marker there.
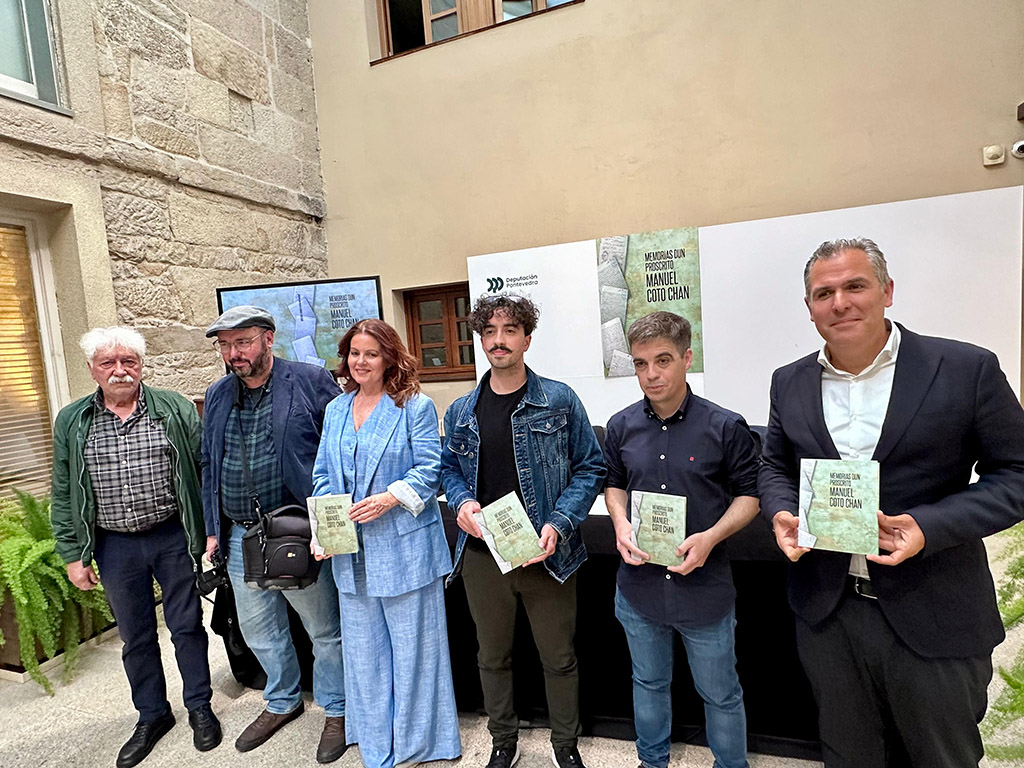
(334, 533)
(839, 506)
(659, 525)
(508, 532)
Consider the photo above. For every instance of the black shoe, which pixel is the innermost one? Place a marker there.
(332, 741)
(143, 740)
(263, 727)
(566, 757)
(206, 733)
(504, 757)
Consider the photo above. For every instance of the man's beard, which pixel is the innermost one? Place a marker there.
(257, 368)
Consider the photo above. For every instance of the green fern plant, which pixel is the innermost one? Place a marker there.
(48, 608)
(1008, 708)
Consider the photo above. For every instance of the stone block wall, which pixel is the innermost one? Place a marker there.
(207, 160)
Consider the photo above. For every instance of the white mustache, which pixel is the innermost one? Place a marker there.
(126, 379)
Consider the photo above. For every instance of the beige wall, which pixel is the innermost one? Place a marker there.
(618, 116)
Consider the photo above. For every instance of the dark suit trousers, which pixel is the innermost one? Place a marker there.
(883, 706)
(551, 608)
(128, 562)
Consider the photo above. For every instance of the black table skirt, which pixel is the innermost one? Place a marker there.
(781, 715)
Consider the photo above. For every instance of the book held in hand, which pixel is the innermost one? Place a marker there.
(659, 525)
(508, 532)
(839, 506)
(334, 533)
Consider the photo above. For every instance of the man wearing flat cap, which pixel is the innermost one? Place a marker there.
(261, 430)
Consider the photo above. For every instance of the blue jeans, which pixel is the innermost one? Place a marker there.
(712, 659)
(263, 619)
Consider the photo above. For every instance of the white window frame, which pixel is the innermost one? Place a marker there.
(50, 339)
(22, 87)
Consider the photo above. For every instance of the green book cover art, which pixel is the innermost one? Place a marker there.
(334, 533)
(508, 532)
(659, 525)
(839, 505)
(642, 273)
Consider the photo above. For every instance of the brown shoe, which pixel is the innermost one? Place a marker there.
(263, 727)
(332, 741)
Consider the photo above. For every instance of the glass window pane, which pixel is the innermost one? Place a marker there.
(440, 6)
(466, 354)
(462, 306)
(432, 334)
(465, 334)
(430, 310)
(442, 29)
(13, 46)
(434, 358)
(553, 3)
(513, 9)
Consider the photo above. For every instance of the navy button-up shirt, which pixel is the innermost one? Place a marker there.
(705, 453)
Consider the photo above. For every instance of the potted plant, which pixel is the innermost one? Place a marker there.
(50, 613)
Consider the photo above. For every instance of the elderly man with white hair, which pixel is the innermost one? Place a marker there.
(126, 492)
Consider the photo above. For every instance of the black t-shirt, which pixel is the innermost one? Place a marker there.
(496, 469)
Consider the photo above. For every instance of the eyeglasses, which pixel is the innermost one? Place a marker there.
(242, 345)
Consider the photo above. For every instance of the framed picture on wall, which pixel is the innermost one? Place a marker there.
(312, 315)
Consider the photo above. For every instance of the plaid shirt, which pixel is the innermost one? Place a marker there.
(251, 417)
(130, 464)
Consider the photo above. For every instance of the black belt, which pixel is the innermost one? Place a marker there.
(861, 587)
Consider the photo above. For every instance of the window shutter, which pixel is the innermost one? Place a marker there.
(26, 437)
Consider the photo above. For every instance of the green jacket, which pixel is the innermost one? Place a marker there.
(73, 508)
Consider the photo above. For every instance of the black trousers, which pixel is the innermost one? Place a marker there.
(880, 704)
(551, 608)
(128, 562)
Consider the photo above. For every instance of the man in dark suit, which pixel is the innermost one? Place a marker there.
(897, 646)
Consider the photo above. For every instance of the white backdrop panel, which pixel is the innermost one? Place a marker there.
(955, 261)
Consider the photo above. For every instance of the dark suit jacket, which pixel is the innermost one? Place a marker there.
(951, 411)
(301, 394)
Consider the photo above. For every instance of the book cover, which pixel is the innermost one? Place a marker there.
(659, 525)
(333, 532)
(839, 505)
(508, 531)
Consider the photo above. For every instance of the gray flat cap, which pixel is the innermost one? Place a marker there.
(245, 316)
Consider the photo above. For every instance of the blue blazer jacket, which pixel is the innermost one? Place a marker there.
(405, 548)
(301, 393)
(951, 411)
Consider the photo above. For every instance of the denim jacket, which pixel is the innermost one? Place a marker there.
(558, 459)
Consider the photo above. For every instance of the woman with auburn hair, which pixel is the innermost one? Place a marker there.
(381, 444)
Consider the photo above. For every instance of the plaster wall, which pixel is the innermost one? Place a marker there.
(611, 117)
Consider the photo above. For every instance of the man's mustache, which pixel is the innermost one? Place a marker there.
(126, 379)
(501, 347)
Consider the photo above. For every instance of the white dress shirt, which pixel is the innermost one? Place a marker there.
(855, 407)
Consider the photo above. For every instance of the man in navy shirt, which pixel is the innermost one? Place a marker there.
(674, 442)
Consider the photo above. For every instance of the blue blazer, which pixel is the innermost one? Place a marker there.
(405, 548)
(951, 411)
(301, 393)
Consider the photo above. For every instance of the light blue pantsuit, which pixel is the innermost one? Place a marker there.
(400, 702)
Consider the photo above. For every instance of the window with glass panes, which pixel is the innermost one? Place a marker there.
(409, 24)
(26, 439)
(439, 333)
(27, 65)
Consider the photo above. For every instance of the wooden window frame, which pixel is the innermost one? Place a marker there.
(447, 295)
(473, 16)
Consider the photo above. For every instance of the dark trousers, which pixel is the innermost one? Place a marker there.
(551, 608)
(881, 705)
(128, 562)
